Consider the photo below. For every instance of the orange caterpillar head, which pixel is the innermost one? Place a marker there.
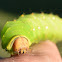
(21, 45)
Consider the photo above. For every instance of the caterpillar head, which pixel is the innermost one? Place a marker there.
(19, 44)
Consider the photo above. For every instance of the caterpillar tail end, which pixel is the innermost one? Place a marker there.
(21, 45)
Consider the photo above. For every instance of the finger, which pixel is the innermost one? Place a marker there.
(45, 52)
(47, 49)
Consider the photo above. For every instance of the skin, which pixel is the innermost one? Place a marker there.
(42, 52)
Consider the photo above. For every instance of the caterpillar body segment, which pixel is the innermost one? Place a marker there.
(34, 27)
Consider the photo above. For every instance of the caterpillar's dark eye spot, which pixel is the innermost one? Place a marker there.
(23, 51)
(19, 51)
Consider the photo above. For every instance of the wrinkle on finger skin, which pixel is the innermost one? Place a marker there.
(42, 52)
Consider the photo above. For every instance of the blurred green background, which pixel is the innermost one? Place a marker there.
(12, 9)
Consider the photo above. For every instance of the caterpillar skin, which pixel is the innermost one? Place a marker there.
(35, 27)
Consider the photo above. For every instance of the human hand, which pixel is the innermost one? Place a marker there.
(42, 52)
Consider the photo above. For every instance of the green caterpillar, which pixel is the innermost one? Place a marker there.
(34, 27)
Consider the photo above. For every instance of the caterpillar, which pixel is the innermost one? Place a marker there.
(32, 28)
